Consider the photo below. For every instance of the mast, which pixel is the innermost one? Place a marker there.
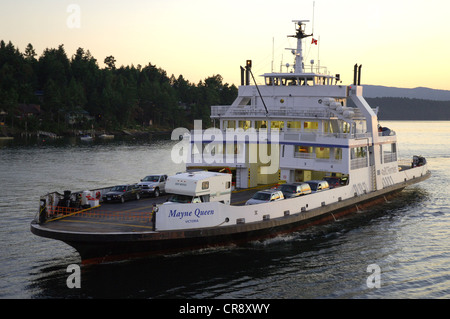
(300, 35)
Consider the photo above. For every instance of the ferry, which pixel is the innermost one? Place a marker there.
(300, 126)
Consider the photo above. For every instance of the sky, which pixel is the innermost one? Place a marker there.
(399, 43)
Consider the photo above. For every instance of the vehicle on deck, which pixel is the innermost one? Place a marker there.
(318, 186)
(269, 195)
(295, 189)
(333, 181)
(153, 184)
(199, 187)
(122, 193)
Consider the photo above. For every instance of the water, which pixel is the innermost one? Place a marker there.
(407, 238)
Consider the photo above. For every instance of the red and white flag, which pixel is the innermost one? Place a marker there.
(314, 41)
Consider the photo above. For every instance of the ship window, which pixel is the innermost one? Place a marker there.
(323, 152)
(229, 124)
(304, 149)
(305, 152)
(289, 81)
(338, 153)
(358, 157)
(294, 125)
(311, 125)
(277, 125)
(345, 127)
(245, 124)
(260, 124)
(272, 81)
(358, 152)
(389, 153)
(326, 127)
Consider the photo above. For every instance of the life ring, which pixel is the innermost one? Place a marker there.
(98, 195)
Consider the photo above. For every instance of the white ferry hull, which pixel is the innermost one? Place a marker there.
(102, 247)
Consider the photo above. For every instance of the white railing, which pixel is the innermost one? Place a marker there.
(305, 155)
(358, 163)
(389, 157)
(220, 110)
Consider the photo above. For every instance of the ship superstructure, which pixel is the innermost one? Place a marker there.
(323, 128)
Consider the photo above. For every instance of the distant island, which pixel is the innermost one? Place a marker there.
(409, 104)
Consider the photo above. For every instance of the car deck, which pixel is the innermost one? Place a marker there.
(131, 216)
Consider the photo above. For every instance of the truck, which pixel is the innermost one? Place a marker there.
(199, 187)
(153, 184)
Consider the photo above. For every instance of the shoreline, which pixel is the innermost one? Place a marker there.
(7, 133)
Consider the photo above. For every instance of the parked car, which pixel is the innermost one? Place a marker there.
(122, 193)
(333, 181)
(153, 184)
(336, 181)
(295, 189)
(269, 195)
(317, 186)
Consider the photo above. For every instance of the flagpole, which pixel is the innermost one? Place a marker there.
(318, 56)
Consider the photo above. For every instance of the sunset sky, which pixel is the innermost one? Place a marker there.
(401, 43)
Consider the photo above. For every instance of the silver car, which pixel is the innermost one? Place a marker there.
(269, 195)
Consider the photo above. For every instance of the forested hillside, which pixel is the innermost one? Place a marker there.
(391, 108)
(78, 92)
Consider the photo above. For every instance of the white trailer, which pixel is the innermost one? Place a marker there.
(199, 187)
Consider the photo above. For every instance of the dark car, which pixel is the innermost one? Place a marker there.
(295, 189)
(336, 181)
(333, 181)
(122, 193)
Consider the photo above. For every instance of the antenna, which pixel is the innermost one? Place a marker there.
(273, 48)
(314, 5)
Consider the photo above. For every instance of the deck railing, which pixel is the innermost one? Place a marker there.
(57, 212)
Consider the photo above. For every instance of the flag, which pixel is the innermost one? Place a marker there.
(314, 41)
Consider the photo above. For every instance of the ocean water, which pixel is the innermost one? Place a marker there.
(400, 249)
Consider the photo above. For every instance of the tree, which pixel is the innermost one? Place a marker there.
(30, 53)
(122, 97)
(110, 62)
(54, 65)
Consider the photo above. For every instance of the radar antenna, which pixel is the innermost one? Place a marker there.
(300, 35)
(300, 30)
